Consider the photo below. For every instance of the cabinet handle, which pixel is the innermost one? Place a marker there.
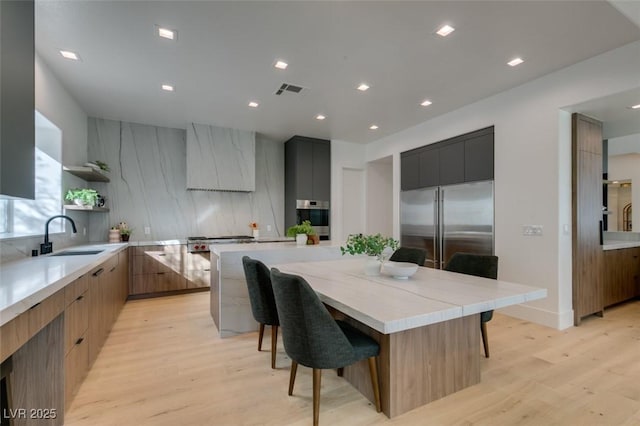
(80, 297)
(98, 272)
(113, 269)
(601, 230)
(79, 340)
(162, 254)
(160, 273)
(35, 305)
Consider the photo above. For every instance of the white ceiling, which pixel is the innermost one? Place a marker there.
(225, 52)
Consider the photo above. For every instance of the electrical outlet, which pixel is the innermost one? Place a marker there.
(268, 228)
(532, 230)
(147, 230)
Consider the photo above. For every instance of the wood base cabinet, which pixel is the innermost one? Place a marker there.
(76, 343)
(622, 275)
(158, 269)
(108, 286)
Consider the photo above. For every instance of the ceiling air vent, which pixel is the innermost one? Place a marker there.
(289, 88)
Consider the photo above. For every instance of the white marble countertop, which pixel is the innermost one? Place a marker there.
(284, 244)
(615, 245)
(25, 282)
(390, 305)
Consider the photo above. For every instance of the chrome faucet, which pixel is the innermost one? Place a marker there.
(47, 247)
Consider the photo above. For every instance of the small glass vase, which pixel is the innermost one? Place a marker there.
(372, 266)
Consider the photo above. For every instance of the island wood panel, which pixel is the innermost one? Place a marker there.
(419, 365)
(38, 375)
(587, 266)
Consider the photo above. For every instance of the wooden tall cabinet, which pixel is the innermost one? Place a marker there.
(587, 266)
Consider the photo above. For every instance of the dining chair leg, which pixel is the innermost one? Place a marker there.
(274, 343)
(373, 370)
(260, 337)
(316, 395)
(485, 341)
(340, 371)
(292, 376)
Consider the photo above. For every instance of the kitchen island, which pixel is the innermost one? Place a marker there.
(428, 326)
(230, 305)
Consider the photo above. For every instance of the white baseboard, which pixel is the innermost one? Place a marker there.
(556, 320)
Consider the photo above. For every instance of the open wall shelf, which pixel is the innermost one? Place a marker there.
(86, 208)
(87, 173)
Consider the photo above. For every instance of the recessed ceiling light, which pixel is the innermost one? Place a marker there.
(363, 87)
(168, 88)
(69, 55)
(515, 61)
(167, 33)
(320, 117)
(426, 102)
(373, 127)
(445, 30)
(615, 181)
(635, 106)
(253, 104)
(281, 65)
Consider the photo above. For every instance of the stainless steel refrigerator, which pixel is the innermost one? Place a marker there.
(448, 219)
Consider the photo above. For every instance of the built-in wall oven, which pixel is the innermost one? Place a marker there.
(316, 212)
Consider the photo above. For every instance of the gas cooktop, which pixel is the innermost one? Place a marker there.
(201, 244)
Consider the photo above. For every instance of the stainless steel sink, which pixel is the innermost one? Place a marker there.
(77, 252)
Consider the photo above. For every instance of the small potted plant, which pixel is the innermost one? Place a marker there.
(374, 246)
(301, 232)
(125, 233)
(82, 196)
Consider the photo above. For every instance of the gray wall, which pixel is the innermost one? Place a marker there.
(148, 186)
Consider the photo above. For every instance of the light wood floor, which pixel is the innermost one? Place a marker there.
(164, 364)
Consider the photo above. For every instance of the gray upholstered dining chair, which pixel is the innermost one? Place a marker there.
(481, 266)
(314, 339)
(263, 304)
(409, 254)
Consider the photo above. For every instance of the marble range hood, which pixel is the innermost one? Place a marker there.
(220, 159)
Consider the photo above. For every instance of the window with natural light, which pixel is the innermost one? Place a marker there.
(28, 217)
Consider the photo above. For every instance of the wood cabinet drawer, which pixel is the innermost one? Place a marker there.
(75, 368)
(14, 334)
(75, 289)
(76, 321)
(44, 312)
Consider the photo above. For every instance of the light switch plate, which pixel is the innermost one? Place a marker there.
(147, 230)
(532, 230)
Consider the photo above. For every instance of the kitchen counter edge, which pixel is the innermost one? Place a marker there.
(13, 308)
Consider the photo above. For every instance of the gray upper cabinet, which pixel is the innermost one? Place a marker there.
(452, 163)
(17, 100)
(308, 168)
(464, 158)
(410, 170)
(307, 173)
(478, 157)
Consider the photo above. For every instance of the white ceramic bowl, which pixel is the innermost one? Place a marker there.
(399, 270)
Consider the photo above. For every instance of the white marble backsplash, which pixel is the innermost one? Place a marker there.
(148, 186)
(219, 158)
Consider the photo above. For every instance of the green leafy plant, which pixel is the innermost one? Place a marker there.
(125, 231)
(103, 166)
(304, 228)
(87, 197)
(371, 245)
